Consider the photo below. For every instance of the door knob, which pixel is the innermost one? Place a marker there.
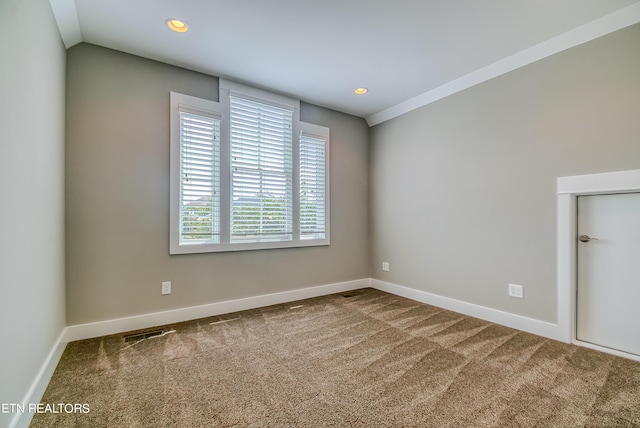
(587, 238)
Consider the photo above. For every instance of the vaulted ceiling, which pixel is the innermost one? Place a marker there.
(406, 52)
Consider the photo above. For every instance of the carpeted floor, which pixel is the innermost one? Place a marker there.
(358, 359)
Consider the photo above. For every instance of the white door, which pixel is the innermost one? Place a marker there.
(608, 301)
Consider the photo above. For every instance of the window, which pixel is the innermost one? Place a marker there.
(261, 171)
(239, 178)
(313, 181)
(199, 179)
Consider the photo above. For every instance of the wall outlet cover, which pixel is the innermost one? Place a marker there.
(166, 287)
(516, 291)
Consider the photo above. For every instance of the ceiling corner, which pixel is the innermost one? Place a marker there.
(67, 19)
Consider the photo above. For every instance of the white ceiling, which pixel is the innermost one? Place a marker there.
(407, 52)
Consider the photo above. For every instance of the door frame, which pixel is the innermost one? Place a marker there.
(568, 190)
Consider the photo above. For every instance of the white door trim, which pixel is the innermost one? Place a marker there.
(568, 190)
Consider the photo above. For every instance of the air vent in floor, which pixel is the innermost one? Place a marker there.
(141, 335)
(352, 293)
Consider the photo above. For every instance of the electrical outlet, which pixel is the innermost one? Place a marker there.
(385, 266)
(516, 290)
(166, 287)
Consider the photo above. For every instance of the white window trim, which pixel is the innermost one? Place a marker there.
(227, 87)
(222, 110)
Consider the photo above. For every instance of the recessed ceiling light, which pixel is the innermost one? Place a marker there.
(361, 91)
(177, 25)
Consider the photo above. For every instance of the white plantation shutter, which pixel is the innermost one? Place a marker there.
(261, 171)
(312, 187)
(246, 173)
(199, 179)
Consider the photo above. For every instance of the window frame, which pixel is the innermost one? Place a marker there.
(221, 111)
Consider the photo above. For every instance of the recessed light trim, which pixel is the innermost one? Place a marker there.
(361, 91)
(177, 25)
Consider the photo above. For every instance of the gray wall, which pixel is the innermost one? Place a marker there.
(463, 190)
(31, 193)
(117, 202)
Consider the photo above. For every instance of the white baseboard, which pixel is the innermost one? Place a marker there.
(137, 322)
(530, 325)
(40, 383)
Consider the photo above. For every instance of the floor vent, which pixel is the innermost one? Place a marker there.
(141, 335)
(352, 293)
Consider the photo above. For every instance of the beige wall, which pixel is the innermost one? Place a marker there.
(463, 190)
(32, 305)
(118, 198)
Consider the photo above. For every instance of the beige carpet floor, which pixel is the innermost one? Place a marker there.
(359, 359)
